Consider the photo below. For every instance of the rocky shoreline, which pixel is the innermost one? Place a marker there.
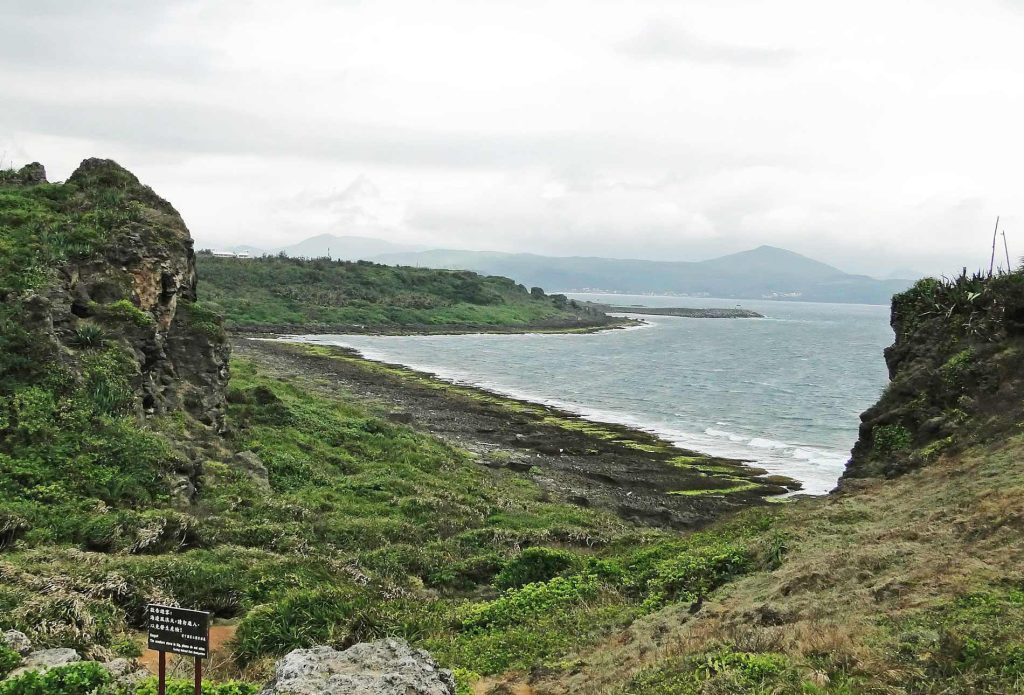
(634, 474)
(689, 313)
(275, 330)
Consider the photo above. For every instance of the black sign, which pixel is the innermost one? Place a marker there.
(179, 630)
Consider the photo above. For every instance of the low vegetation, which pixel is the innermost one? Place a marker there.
(367, 529)
(309, 517)
(320, 294)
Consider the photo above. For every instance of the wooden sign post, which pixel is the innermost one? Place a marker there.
(180, 631)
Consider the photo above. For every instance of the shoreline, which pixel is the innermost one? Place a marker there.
(633, 473)
(754, 449)
(279, 330)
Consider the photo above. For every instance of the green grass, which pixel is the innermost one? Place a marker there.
(369, 529)
(279, 291)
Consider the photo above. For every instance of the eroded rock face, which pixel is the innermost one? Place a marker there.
(32, 174)
(385, 667)
(956, 373)
(144, 279)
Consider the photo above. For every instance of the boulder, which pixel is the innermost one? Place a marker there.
(125, 672)
(385, 667)
(18, 641)
(45, 659)
(32, 174)
(253, 466)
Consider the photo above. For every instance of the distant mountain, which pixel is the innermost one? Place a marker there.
(764, 272)
(343, 248)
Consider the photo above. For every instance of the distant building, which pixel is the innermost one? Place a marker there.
(230, 254)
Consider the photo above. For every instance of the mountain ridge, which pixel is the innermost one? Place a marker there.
(765, 272)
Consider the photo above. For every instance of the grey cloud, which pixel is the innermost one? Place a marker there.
(666, 40)
(169, 126)
(106, 36)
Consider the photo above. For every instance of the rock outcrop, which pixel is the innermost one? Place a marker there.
(956, 374)
(385, 667)
(16, 641)
(139, 288)
(45, 659)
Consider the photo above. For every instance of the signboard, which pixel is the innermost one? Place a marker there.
(179, 630)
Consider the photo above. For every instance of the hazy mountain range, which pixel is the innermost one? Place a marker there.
(764, 272)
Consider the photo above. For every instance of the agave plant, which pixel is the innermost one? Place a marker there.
(90, 336)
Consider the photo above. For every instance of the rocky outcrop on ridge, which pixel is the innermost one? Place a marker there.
(139, 287)
(956, 373)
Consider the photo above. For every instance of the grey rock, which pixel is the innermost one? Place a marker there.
(18, 641)
(385, 667)
(249, 462)
(45, 659)
(125, 672)
(32, 174)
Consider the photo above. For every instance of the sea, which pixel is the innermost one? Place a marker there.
(784, 392)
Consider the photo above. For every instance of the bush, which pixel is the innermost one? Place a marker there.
(124, 311)
(890, 439)
(528, 602)
(694, 574)
(89, 335)
(86, 678)
(182, 687)
(537, 564)
(9, 660)
(333, 616)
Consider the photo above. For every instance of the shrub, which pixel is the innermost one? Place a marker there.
(9, 660)
(695, 573)
(127, 647)
(339, 617)
(890, 439)
(89, 335)
(721, 671)
(182, 687)
(86, 678)
(537, 564)
(203, 319)
(540, 598)
(124, 310)
(958, 370)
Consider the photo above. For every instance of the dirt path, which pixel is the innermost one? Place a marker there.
(631, 473)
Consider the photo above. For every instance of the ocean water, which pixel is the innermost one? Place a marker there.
(784, 392)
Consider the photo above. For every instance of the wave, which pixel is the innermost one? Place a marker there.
(816, 467)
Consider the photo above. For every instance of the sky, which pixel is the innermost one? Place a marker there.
(880, 136)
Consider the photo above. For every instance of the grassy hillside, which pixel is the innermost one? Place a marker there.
(322, 294)
(362, 528)
(304, 514)
(907, 586)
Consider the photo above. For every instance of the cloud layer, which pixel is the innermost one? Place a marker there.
(873, 135)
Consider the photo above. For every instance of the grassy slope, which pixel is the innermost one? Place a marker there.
(905, 586)
(282, 292)
(368, 528)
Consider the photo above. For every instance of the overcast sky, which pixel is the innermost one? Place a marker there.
(874, 135)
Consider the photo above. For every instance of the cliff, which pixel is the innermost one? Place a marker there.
(955, 373)
(102, 260)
